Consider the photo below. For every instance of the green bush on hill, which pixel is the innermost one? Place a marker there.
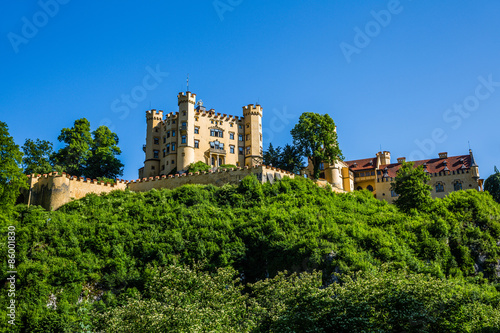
(108, 256)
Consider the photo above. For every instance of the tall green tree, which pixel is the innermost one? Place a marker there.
(492, 185)
(73, 157)
(316, 138)
(411, 186)
(291, 159)
(102, 161)
(12, 178)
(272, 156)
(36, 159)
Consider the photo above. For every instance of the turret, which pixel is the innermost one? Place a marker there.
(253, 134)
(185, 140)
(152, 147)
(474, 168)
(383, 158)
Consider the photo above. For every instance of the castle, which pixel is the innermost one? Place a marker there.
(194, 134)
(233, 146)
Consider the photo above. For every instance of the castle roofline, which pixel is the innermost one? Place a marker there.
(434, 165)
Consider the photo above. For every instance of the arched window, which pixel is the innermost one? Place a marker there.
(359, 188)
(369, 188)
(457, 186)
(439, 187)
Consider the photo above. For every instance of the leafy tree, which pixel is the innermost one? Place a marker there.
(316, 139)
(272, 156)
(73, 158)
(198, 167)
(12, 178)
(288, 158)
(37, 156)
(411, 186)
(102, 161)
(492, 185)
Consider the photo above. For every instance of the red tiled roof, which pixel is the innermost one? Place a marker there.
(363, 164)
(434, 165)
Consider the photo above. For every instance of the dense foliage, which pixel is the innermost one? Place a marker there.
(37, 154)
(316, 137)
(88, 154)
(288, 158)
(411, 186)
(198, 167)
(492, 185)
(11, 176)
(204, 256)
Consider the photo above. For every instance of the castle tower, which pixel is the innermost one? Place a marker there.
(152, 147)
(185, 153)
(383, 158)
(253, 134)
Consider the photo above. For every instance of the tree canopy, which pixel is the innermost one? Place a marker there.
(11, 175)
(288, 158)
(37, 154)
(102, 161)
(492, 185)
(411, 186)
(316, 138)
(92, 155)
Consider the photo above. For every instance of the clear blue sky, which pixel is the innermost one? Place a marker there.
(393, 84)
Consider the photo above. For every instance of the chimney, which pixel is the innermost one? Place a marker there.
(401, 159)
(443, 155)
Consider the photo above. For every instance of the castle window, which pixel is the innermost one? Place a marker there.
(197, 143)
(183, 139)
(173, 146)
(231, 136)
(156, 129)
(322, 166)
(164, 152)
(164, 139)
(240, 150)
(359, 188)
(166, 163)
(248, 125)
(231, 125)
(183, 113)
(173, 162)
(156, 141)
(217, 133)
(196, 118)
(240, 137)
(196, 130)
(261, 137)
(156, 153)
(173, 122)
(240, 126)
(439, 187)
(152, 167)
(220, 160)
(457, 186)
(211, 121)
(168, 134)
(231, 149)
(162, 167)
(173, 133)
(369, 188)
(168, 148)
(213, 160)
(248, 137)
(248, 150)
(184, 124)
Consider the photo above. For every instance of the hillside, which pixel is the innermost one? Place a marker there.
(161, 258)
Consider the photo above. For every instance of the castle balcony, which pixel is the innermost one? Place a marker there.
(217, 151)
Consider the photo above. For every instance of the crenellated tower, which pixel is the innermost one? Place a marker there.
(253, 134)
(185, 153)
(152, 146)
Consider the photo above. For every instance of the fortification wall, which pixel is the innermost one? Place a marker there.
(53, 190)
(217, 178)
